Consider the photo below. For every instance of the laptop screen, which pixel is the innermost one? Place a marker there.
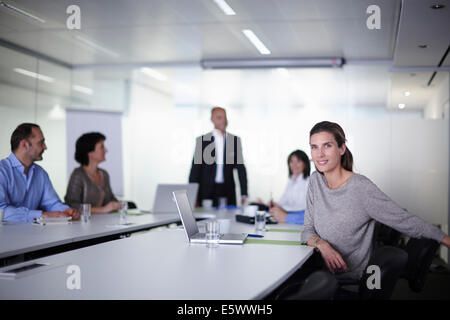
(164, 202)
(185, 211)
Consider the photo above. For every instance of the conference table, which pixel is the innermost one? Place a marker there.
(162, 264)
(22, 238)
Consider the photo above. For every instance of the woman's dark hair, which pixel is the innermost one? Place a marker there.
(302, 157)
(339, 136)
(23, 131)
(85, 144)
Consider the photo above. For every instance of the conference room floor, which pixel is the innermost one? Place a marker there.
(437, 285)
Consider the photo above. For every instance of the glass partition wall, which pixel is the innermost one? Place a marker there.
(34, 90)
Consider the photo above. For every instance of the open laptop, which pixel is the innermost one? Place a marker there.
(164, 201)
(190, 225)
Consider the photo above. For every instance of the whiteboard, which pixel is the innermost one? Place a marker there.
(109, 124)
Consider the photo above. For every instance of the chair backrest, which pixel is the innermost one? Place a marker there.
(420, 255)
(131, 205)
(386, 236)
(392, 263)
(320, 285)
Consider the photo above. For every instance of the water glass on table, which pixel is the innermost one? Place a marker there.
(224, 225)
(212, 233)
(85, 212)
(222, 204)
(260, 221)
(123, 212)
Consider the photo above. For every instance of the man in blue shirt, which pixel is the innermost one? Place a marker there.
(26, 192)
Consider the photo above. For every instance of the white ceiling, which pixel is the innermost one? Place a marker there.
(170, 32)
(139, 31)
(421, 25)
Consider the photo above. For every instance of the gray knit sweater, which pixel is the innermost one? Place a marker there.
(81, 189)
(345, 218)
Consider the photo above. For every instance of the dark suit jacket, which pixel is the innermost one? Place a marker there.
(203, 170)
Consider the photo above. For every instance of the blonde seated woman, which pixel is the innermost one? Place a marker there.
(89, 183)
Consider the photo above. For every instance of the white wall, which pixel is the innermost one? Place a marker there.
(158, 144)
(109, 124)
(438, 108)
(435, 108)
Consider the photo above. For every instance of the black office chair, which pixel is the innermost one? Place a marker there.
(320, 285)
(261, 206)
(131, 205)
(386, 236)
(420, 256)
(392, 263)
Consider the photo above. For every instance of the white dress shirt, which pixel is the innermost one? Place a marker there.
(219, 141)
(294, 196)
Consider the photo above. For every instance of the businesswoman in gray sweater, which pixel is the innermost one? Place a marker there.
(89, 183)
(342, 207)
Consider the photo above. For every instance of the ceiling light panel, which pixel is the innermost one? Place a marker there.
(251, 36)
(225, 7)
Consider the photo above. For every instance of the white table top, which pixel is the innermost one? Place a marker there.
(161, 264)
(19, 238)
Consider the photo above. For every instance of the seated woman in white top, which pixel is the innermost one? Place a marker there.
(292, 205)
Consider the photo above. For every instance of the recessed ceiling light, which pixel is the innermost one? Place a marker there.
(34, 75)
(225, 7)
(437, 6)
(422, 46)
(401, 106)
(256, 42)
(407, 93)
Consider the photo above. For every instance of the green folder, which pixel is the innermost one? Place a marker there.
(279, 242)
(283, 230)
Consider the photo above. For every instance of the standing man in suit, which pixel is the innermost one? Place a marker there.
(216, 154)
